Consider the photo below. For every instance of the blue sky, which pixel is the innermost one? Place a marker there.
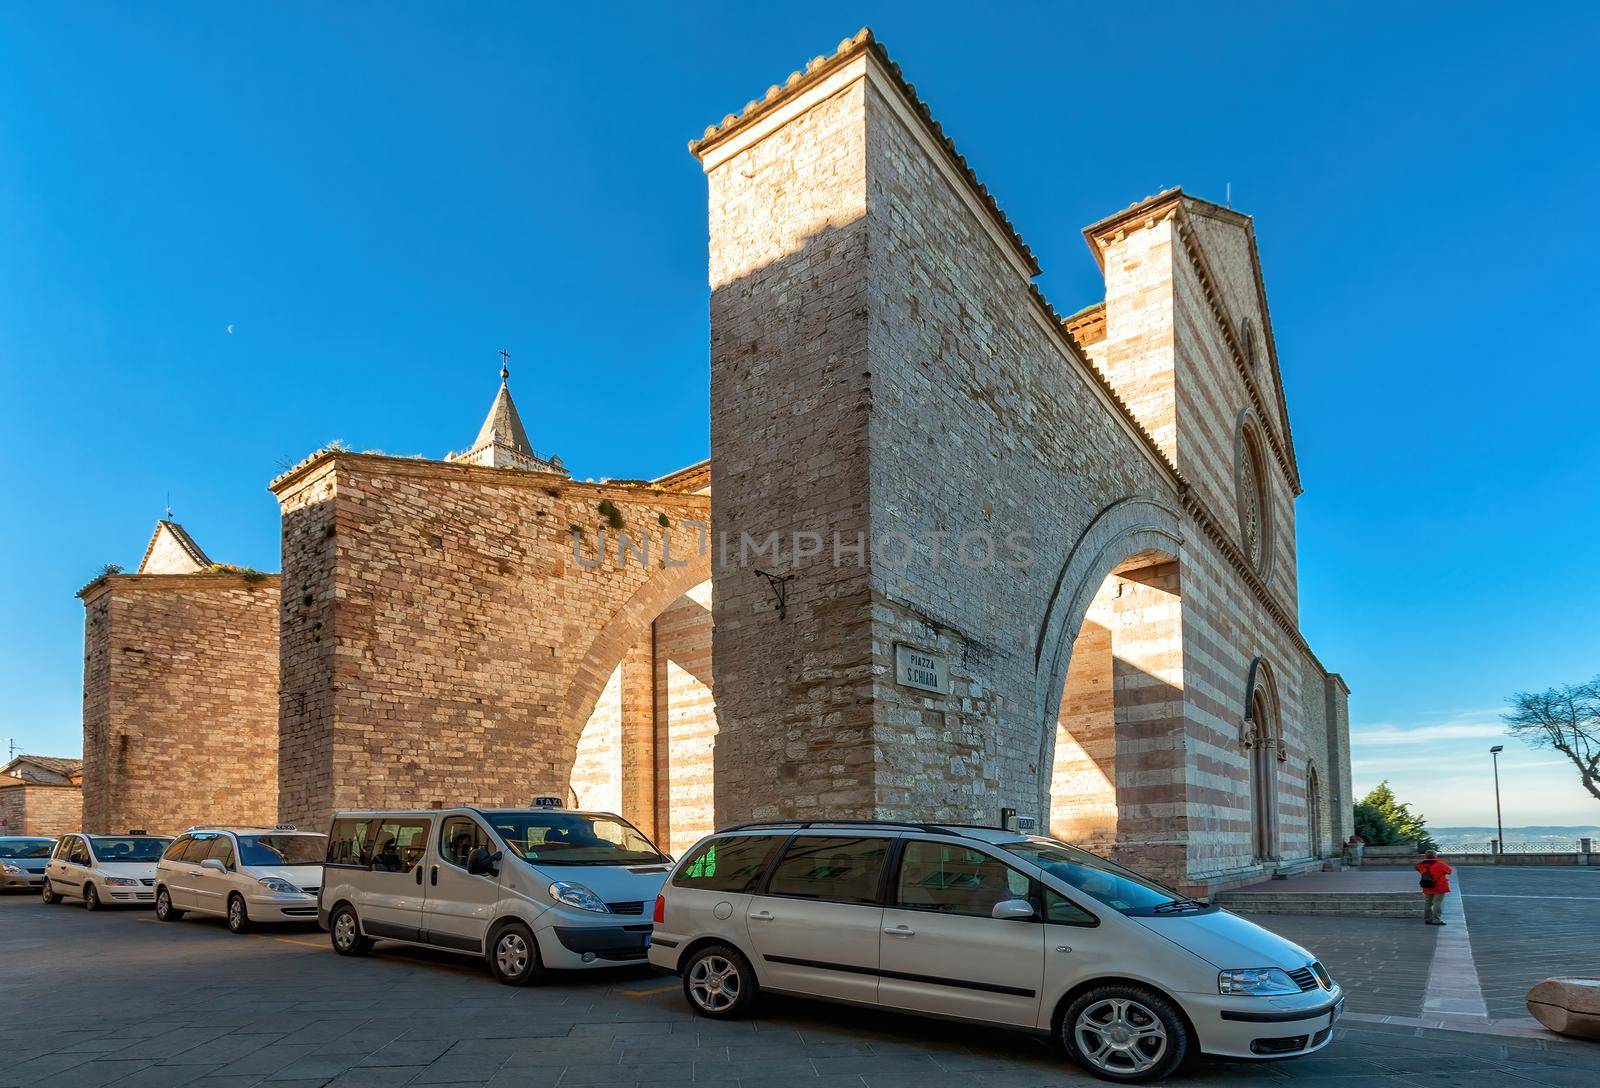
(377, 198)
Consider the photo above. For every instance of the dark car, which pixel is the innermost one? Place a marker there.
(22, 862)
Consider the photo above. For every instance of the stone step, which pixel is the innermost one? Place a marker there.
(1369, 904)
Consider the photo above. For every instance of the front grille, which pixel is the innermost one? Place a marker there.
(634, 907)
(1323, 978)
(1304, 978)
(1286, 1045)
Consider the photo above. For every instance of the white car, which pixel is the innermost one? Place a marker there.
(22, 862)
(244, 874)
(103, 870)
(991, 926)
(525, 889)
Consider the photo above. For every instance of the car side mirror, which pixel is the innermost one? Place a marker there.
(482, 863)
(1013, 910)
(214, 865)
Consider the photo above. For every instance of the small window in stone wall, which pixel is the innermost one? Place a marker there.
(1247, 341)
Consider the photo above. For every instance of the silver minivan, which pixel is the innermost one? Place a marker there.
(990, 926)
(527, 889)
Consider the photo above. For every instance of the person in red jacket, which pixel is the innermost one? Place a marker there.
(1435, 886)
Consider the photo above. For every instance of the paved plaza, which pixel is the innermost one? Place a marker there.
(117, 998)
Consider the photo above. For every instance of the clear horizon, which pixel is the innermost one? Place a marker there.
(236, 235)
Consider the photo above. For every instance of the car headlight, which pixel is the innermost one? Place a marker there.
(1257, 982)
(279, 887)
(14, 870)
(121, 882)
(576, 895)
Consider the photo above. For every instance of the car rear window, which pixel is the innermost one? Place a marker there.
(733, 864)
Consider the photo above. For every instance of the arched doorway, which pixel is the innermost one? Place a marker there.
(1314, 811)
(1264, 742)
(1121, 706)
(645, 749)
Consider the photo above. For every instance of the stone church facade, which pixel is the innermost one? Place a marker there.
(1079, 531)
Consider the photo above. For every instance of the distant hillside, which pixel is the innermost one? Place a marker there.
(1573, 830)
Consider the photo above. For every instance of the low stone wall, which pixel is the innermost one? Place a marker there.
(1409, 860)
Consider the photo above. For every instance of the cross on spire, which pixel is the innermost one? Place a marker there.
(505, 366)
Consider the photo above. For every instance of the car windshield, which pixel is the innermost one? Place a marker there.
(282, 849)
(1118, 888)
(26, 848)
(128, 849)
(573, 838)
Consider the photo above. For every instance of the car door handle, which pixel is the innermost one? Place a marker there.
(419, 876)
(900, 931)
(433, 877)
(761, 916)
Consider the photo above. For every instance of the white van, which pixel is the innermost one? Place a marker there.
(527, 889)
(244, 874)
(991, 926)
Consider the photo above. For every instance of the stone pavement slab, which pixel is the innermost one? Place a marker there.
(192, 1006)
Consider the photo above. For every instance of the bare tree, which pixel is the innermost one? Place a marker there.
(1565, 718)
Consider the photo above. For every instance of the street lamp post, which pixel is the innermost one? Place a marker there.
(1499, 830)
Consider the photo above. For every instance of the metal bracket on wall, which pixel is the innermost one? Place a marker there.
(779, 584)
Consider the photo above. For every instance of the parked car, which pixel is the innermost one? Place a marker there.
(244, 874)
(22, 862)
(103, 870)
(991, 926)
(526, 889)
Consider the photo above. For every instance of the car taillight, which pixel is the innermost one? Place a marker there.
(659, 915)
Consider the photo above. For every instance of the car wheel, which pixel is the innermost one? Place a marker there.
(49, 894)
(719, 982)
(91, 898)
(345, 932)
(238, 916)
(514, 955)
(1125, 1033)
(165, 911)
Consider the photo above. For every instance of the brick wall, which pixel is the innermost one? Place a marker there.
(968, 408)
(686, 722)
(441, 640)
(180, 701)
(40, 810)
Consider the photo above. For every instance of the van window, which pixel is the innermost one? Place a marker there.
(175, 851)
(1120, 889)
(198, 850)
(955, 879)
(459, 837)
(832, 868)
(350, 843)
(399, 845)
(734, 864)
(1061, 911)
(222, 850)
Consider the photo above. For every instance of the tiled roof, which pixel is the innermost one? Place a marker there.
(184, 540)
(49, 769)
